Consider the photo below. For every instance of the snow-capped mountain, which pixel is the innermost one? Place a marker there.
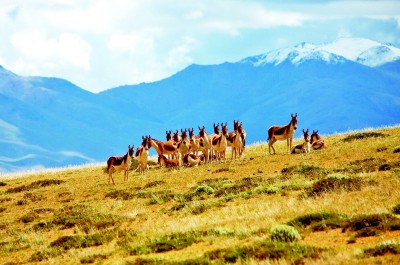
(333, 88)
(363, 51)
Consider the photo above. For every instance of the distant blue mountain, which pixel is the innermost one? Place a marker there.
(48, 122)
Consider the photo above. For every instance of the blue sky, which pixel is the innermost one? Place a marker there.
(100, 44)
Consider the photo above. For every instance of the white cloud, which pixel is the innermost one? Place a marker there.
(145, 40)
(66, 49)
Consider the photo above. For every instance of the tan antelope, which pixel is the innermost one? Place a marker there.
(166, 162)
(286, 132)
(142, 155)
(195, 146)
(305, 146)
(184, 143)
(164, 148)
(219, 142)
(118, 163)
(207, 143)
(235, 140)
(243, 135)
(193, 160)
(316, 141)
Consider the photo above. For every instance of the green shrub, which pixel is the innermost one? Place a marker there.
(383, 248)
(363, 135)
(204, 189)
(396, 209)
(319, 221)
(396, 149)
(284, 233)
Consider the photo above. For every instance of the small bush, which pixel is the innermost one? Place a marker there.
(363, 135)
(380, 222)
(319, 221)
(306, 170)
(284, 233)
(120, 195)
(396, 149)
(2, 184)
(291, 253)
(85, 241)
(174, 241)
(204, 189)
(396, 209)
(93, 258)
(154, 183)
(36, 185)
(334, 184)
(383, 248)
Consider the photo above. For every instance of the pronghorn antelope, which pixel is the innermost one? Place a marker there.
(142, 154)
(163, 148)
(207, 143)
(316, 141)
(117, 163)
(304, 147)
(165, 162)
(219, 142)
(286, 132)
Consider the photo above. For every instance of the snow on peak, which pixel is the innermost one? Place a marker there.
(296, 55)
(363, 51)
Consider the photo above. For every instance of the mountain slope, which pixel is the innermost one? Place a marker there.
(52, 122)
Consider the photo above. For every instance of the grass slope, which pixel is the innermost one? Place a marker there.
(338, 205)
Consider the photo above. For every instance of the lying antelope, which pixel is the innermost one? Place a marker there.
(193, 160)
(165, 162)
(316, 141)
(286, 132)
(304, 147)
(142, 155)
(118, 163)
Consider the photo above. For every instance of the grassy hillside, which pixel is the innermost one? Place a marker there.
(340, 205)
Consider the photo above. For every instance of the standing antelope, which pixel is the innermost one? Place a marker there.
(117, 163)
(219, 142)
(286, 132)
(204, 137)
(183, 143)
(316, 141)
(142, 155)
(163, 148)
(195, 142)
(304, 147)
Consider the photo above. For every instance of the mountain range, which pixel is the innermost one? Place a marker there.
(345, 85)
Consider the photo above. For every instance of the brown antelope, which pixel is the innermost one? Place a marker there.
(219, 142)
(286, 132)
(163, 148)
(243, 135)
(118, 163)
(168, 135)
(165, 162)
(207, 143)
(316, 141)
(304, 147)
(142, 155)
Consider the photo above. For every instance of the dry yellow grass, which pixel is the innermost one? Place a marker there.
(244, 200)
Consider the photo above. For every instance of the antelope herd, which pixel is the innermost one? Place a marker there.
(181, 150)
